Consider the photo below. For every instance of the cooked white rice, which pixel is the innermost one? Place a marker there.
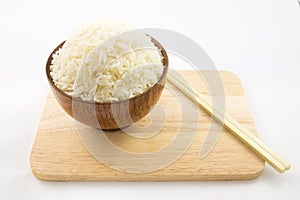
(108, 72)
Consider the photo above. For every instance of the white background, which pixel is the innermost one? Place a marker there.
(259, 40)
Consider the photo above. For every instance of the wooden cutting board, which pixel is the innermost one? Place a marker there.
(58, 153)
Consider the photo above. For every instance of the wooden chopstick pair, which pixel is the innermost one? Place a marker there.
(230, 124)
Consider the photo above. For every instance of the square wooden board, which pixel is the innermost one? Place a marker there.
(58, 154)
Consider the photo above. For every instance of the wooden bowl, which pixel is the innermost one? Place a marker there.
(114, 115)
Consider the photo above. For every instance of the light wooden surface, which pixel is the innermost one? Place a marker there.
(231, 125)
(58, 153)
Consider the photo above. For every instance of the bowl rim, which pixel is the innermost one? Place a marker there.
(165, 61)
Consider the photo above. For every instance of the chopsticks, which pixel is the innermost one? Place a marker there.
(230, 124)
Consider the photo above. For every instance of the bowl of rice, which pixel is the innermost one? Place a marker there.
(106, 76)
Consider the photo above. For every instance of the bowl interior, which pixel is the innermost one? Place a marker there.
(165, 63)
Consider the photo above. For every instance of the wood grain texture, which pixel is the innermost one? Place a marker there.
(58, 154)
